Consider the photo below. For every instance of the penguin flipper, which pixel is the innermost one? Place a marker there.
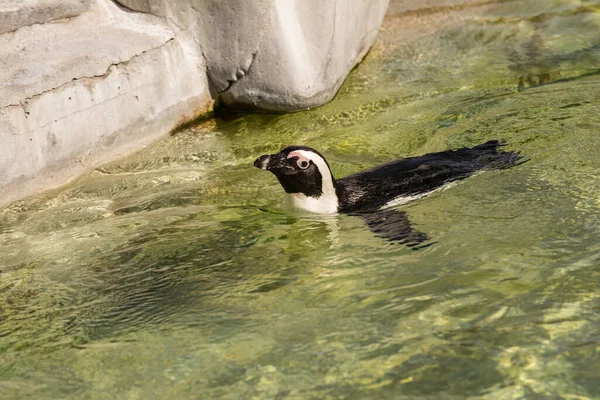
(394, 226)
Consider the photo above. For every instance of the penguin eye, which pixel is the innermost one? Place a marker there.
(303, 164)
(299, 159)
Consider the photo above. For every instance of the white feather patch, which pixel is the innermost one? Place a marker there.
(401, 200)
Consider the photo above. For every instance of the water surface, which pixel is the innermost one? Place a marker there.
(174, 273)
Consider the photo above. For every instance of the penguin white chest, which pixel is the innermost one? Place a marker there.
(324, 204)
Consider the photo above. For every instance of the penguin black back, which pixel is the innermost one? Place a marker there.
(409, 177)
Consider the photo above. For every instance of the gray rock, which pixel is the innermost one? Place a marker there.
(77, 94)
(309, 48)
(15, 14)
(278, 55)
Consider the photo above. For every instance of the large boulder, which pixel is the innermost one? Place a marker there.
(277, 55)
(79, 92)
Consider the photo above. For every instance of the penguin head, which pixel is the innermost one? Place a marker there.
(305, 175)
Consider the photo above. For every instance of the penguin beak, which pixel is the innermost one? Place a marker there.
(271, 162)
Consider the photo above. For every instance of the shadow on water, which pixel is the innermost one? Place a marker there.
(173, 273)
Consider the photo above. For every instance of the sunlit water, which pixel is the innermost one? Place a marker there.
(174, 274)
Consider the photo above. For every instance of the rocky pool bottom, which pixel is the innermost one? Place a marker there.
(174, 273)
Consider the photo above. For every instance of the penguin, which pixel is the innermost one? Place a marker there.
(307, 179)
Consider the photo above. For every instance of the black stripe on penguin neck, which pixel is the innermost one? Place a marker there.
(310, 186)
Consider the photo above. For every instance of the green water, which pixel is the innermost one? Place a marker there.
(173, 274)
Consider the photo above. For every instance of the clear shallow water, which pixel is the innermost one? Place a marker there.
(173, 273)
